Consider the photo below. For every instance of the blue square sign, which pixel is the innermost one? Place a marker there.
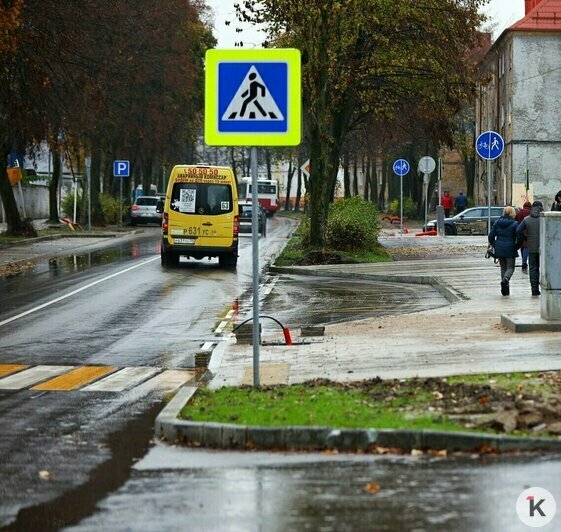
(121, 168)
(253, 97)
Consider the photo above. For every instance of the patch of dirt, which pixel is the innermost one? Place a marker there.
(314, 258)
(11, 269)
(502, 408)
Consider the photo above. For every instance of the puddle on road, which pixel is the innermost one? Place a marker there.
(299, 301)
(127, 445)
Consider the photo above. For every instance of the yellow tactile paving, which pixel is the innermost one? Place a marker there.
(269, 374)
(7, 369)
(75, 378)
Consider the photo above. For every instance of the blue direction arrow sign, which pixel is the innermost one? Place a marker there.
(401, 167)
(489, 145)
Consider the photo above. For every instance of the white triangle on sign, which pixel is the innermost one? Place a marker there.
(252, 101)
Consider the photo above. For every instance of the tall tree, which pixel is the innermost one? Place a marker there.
(368, 57)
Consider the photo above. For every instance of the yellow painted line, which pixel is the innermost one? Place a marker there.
(7, 369)
(75, 378)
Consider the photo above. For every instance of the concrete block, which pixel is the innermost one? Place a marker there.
(234, 436)
(244, 334)
(265, 437)
(312, 331)
(190, 432)
(524, 324)
(212, 435)
(312, 438)
(350, 439)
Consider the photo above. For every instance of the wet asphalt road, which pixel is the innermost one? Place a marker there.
(67, 456)
(199, 490)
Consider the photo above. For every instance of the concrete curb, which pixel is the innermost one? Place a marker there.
(445, 290)
(229, 436)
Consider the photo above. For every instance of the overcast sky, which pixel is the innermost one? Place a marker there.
(503, 12)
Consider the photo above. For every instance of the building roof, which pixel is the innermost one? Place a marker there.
(544, 16)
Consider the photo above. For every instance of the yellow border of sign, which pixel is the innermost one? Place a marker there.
(292, 137)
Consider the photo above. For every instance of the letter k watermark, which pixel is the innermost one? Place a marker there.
(536, 507)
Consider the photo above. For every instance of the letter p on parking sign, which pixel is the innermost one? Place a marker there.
(121, 168)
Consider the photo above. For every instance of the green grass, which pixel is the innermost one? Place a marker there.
(294, 253)
(313, 406)
(390, 404)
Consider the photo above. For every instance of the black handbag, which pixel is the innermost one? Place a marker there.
(490, 253)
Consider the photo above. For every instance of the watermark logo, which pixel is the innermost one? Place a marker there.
(536, 507)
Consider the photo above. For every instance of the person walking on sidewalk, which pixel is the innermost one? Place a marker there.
(461, 203)
(556, 205)
(530, 226)
(520, 215)
(503, 237)
(447, 203)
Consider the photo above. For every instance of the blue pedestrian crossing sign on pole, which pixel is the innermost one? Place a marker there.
(121, 168)
(489, 145)
(401, 167)
(253, 97)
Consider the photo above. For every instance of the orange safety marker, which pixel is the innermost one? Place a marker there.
(75, 378)
(8, 369)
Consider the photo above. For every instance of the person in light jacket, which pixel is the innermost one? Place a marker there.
(503, 237)
(531, 227)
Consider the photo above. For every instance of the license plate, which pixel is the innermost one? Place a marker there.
(184, 240)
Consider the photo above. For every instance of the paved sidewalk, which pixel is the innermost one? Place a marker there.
(464, 336)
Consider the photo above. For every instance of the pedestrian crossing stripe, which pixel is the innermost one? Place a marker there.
(92, 378)
(253, 100)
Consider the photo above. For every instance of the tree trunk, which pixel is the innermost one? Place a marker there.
(298, 188)
(346, 175)
(13, 218)
(373, 181)
(268, 163)
(366, 177)
(383, 185)
(291, 170)
(54, 183)
(355, 176)
(98, 217)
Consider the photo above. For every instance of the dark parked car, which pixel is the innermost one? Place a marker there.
(472, 221)
(144, 210)
(245, 219)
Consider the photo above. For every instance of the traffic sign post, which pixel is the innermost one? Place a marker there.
(401, 167)
(489, 145)
(253, 98)
(121, 169)
(426, 165)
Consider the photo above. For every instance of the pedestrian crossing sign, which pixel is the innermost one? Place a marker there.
(253, 97)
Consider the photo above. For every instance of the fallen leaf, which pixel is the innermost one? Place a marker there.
(416, 452)
(437, 395)
(483, 400)
(372, 487)
(45, 475)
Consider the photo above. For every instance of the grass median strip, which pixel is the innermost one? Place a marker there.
(519, 404)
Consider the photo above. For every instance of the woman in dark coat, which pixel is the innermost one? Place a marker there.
(556, 205)
(503, 238)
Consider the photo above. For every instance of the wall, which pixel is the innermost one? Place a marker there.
(35, 200)
(536, 104)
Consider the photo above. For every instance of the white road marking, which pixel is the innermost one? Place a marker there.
(77, 291)
(32, 376)
(122, 379)
(167, 381)
(221, 327)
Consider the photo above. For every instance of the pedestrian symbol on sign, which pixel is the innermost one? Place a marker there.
(252, 101)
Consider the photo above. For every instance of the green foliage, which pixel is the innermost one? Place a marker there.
(109, 207)
(409, 208)
(352, 224)
(67, 205)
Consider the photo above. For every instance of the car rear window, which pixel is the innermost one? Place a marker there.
(201, 198)
(146, 201)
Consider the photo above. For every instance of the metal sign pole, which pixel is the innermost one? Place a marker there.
(255, 249)
(120, 202)
(401, 204)
(488, 196)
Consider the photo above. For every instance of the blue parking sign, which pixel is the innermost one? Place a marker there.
(489, 145)
(121, 168)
